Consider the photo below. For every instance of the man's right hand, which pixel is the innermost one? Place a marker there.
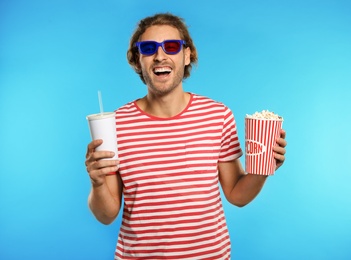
(98, 168)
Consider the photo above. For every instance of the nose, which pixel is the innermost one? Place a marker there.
(160, 54)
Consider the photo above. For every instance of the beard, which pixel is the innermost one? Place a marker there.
(163, 88)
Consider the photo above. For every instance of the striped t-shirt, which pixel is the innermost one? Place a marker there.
(172, 203)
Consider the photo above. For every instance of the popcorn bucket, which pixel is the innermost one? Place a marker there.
(260, 137)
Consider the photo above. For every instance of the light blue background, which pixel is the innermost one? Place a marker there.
(291, 57)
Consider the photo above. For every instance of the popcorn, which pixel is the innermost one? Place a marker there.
(265, 114)
(261, 132)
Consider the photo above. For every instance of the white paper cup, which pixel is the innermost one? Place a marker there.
(103, 126)
(260, 137)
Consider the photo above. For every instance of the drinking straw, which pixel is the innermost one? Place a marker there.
(100, 103)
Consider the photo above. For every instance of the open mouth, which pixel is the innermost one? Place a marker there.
(162, 71)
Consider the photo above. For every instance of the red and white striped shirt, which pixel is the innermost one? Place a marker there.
(172, 203)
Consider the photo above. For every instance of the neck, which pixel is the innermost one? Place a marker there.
(164, 106)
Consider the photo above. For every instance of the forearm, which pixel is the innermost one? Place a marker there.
(103, 205)
(246, 189)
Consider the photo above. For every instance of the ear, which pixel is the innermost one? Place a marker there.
(187, 53)
(137, 67)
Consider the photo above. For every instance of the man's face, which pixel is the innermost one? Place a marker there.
(163, 72)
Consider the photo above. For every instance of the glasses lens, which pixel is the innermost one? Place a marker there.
(148, 47)
(172, 46)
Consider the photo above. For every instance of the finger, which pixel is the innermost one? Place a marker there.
(279, 159)
(98, 155)
(100, 164)
(95, 160)
(103, 172)
(281, 142)
(92, 146)
(102, 167)
(105, 164)
(279, 149)
(282, 133)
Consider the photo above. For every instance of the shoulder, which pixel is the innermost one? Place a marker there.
(129, 110)
(126, 107)
(199, 101)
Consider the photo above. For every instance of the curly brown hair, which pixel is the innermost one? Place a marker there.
(161, 19)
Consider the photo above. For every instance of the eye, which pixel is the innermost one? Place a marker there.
(172, 46)
(148, 47)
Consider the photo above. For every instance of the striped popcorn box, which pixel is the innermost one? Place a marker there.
(261, 132)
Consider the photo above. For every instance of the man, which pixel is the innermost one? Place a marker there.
(174, 148)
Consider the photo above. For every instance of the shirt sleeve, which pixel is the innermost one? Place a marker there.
(230, 145)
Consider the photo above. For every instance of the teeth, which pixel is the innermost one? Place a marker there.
(158, 70)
